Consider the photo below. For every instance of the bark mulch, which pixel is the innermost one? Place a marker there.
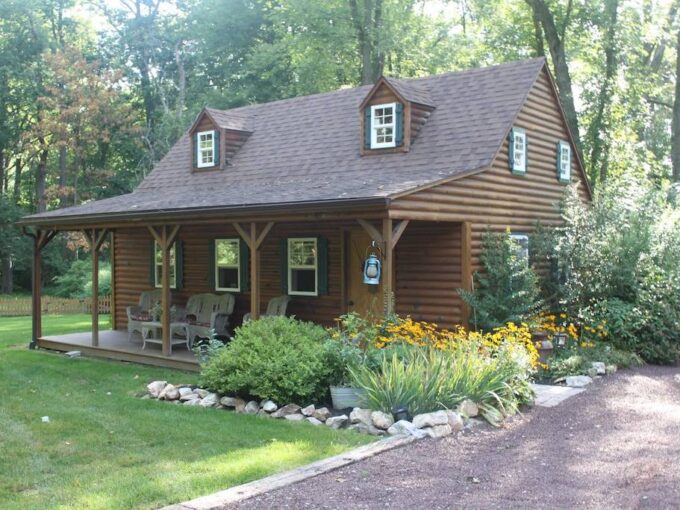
(617, 445)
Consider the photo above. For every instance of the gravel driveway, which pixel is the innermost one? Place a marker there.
(616, 445)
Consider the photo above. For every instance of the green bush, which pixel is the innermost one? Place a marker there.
(278, 358)
(507, 290)
(577, 360)
(76, 282)
(424, 379)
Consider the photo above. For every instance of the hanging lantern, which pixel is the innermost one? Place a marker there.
(372, 265)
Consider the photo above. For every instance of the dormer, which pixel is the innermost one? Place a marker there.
(216, 136)
(392, 114)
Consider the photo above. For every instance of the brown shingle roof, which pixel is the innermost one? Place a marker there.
(306, 149)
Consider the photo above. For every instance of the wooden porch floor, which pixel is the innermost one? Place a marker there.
(115, 345)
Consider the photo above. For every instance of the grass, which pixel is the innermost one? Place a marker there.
(103, 448)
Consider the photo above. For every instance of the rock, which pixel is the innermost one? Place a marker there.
(240, 406)
(233, 402)
(430, 419)
(381, 420)
(264, 413)
(185, 392)
(294, 417)
(269, 406)
(359, 415)
(438, 431)
(286, 410)
(473, 423)
(455, 421)
(592, 372)
(193, 402)
(45, 419)
(578, 381)
(610, 369)
(322, 414)
(336, 422)
(170, 392)
(201, 392)
(600, 368)
(251, 407)
(72, 354)
(309, 410)
(468, 408)
(366, 429)
(210, 400)
(406, 428)
(314, 421)
(546, 345)
(154, 388)
(146, 396)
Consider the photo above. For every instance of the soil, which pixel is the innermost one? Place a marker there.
(616, 445)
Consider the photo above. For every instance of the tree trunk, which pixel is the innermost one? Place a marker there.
(555, 41)
(599, 126)
(367, 26)
(17, 179)
(41, 178)
(62, 176)
(181, 81)
(7, 277)
(539, 43)
(675, 125)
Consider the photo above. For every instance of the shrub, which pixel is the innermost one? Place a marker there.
(507, 290)
(76, 282)
(278, 358)
(577, 359)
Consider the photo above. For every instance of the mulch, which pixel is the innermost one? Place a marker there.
(616, 445)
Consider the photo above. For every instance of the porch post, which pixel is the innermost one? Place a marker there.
(388, 266)
(36, 288)
(165, 295)
(254, 273)
(95, 293)
(465, 268)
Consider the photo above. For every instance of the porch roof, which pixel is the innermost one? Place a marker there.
(305, 150)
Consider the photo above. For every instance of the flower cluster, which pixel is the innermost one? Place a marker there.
(583, 334)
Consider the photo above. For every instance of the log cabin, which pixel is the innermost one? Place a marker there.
(289, 197)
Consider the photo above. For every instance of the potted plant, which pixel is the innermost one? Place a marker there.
(341, 356)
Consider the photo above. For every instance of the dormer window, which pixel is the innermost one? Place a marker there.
(383, 126)
(205, 149)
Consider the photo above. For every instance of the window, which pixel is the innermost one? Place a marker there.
(205, 149)
(158, 265)
(563, 161)
(522, 241)
(518, 151)
(303, 264)
(228, 264)
(383, 126)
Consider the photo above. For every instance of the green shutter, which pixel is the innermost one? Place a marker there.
(284, 265)
(244, 267)
(322, 247)
(399, 125)
(367, 127)
(559, 161)
(216, 148)
(179, 262)
(511, 149)
(212, 270)
(194, 150)
(526, 153)
(152, 263)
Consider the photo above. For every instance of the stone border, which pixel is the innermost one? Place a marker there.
(279, 480)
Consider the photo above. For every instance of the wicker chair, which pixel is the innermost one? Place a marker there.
(206, 312)
(277, 306)
(141, 312)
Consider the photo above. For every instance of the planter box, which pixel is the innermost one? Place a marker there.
(345, 396)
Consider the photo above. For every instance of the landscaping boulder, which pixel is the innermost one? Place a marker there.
(381, 420)
(455, 421)
(322, 414)
(210, 400)
(286, 410)
(72, 354)
(269, 406)
(363, 428)
(294, 417)
(251, 407)
(314, 421)
(309, 410)
(468, 408)
(233, 402)
(184, 393)
(359, 415)
(578, 381)
(600, 368)
(430, 419)
(336, 422)
(438, 431)
(170, 392)
(196, 401)
(201, 392)
(154, 388)
(406, 428)
(610, 369)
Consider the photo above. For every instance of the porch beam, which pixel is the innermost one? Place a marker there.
(373, 232)
(398, 231)
(242, 232)
(388, 266)
(263, 234)
(465, 268)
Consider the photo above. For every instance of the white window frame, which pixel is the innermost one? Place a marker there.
(291, 267)
(375, 127)
(237, 266)
(199, 151)
(565, 170)
(158, 284)
(521, 134)
(523, 253)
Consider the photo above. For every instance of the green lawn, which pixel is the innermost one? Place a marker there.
(103, 448)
